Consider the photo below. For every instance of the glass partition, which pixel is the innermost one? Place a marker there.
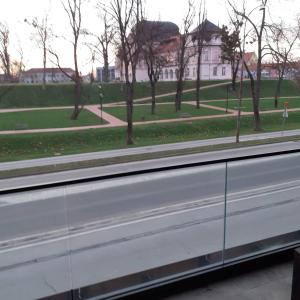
(34, 252)
(137, 229)
(263, 205)
(103, 237)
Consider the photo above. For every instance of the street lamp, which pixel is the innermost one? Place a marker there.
(101, 96)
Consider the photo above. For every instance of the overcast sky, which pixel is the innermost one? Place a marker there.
(13, 13)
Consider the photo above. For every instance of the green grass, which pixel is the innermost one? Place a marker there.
(289, 88)
(39, 119)
(265, 104)
(21, 95)
(136, 157)
(163, 111)
(17, 147)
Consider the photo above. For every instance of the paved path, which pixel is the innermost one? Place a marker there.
(107, 117)
(8, 110)
(174, 93)
(114, 122)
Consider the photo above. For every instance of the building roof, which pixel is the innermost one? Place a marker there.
(207, 26)
(48, 70)
(249, 57)
(170, 44)
(158, 30)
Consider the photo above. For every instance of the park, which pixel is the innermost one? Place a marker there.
(36, 123)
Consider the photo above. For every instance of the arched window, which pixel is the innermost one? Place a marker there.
(177, 73)
(187, 72)
(166, 74)
(171, 74)
(161, 75)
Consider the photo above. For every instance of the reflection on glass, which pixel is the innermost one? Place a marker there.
(34, 252)
(263, 205)
(134, 225)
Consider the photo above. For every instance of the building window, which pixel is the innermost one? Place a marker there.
(187, 72)
(215, 71)
(223, 71)
(171, 74)
(205, 54)
(194, 72)
(177, 73)
(161, 75)
(166, 74)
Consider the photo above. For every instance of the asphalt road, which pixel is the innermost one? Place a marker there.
(124, 226)
(143, 165)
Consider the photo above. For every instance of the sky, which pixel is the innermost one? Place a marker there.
(13, 13)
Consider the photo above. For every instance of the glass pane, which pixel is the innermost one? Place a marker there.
(34, 255)
(135, 229)
(263, 205)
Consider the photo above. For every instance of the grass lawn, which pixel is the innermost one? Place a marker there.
(268, 87)
(265, 104)
(17, 147)
(163, 111)
(27, 95)
(39, 119)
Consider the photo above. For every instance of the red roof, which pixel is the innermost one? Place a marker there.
(49, 70)
(169, 45)
(248, 56)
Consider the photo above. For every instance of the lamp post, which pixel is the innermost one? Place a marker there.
(101, 101)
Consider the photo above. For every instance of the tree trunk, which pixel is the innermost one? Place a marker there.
(153, 93)
(278, 87)
(129, 105)
(44, 67)
(106, 67)
(277, 92)
(198, 79)
(178, 93)
(77, 90)
(234, 75)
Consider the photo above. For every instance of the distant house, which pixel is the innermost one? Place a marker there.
(111, 74)
(53, 75)
(167, 41)
(271, 70)
(250, 58)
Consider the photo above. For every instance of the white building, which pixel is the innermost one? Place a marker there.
(53, 75)
(212, 66)
(111, 73)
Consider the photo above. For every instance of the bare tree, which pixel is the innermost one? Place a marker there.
(185, 52)
(281, 43)
(257, 32)
(231, 49)
(17, 66)
(42, 36)
(153, 57)
(73, 10)
(100, 47)
(5, 56)
(202, 36)
(127, 15)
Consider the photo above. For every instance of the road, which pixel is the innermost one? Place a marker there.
(123, 226)
(65, 176)
(140, 150)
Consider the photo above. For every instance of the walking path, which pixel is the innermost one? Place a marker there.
(105, 116)
(174, 93)
(115, 122)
